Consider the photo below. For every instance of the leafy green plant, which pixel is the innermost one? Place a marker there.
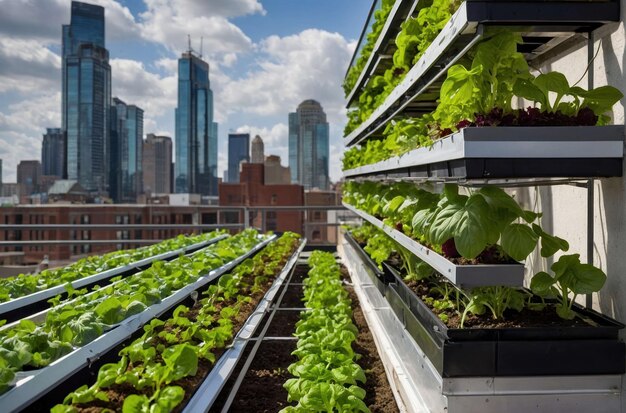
(326, 374)
(25, 284)
(570, 278)
(496, 299)
(156, 364)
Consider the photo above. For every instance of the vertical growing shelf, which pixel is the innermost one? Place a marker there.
(490, 369)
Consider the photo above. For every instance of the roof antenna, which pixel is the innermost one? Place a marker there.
(189, 42)
(201, 38)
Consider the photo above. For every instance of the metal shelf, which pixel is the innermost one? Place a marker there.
(466, 276)
(543, 24)
(207, 393)
(20, 303)
(385, 45)
(509, 153)
(32, 385)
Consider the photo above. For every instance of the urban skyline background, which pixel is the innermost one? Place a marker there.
(262, 66)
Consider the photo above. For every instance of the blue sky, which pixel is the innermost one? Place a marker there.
(265, 58)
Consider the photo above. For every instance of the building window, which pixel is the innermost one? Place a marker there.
(274, 199)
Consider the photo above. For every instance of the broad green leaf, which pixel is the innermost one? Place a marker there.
(136, 404)
(474, 228)
(525, 88)
(541, 284)
(550, 244)
(170, 397)
(518, 241)
(182, 360)
(110, 311)
(552, 82)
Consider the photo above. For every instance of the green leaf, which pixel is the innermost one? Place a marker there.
(170, 397)
(136, 404)
(518, 241)
(525, 88)
(541, 284)
(552, 82)
(550, 244)
(110, 311)
(600, 99)
(182, 360)
(474, 228)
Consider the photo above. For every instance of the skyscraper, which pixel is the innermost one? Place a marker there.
(86, 97)
(308, 146)
(258, 150)
(157, 162)
(195, 169)
(53, 152)
(126, 151)
(238, 151)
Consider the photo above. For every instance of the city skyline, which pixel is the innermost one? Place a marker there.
(259, 69)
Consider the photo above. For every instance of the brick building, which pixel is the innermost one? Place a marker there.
(252, 191)
(91, 214)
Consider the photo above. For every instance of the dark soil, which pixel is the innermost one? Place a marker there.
(300, 273)
(262, 388)
(379, 396)
(117, 393)
(283, 323)
(293, 297)
(546, 318)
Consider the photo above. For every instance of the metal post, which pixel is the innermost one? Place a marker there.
(246, 217)
(590, 183)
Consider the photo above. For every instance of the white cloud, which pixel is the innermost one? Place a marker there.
(170, 21)
(39, 19)
(293, 68)
(22, 128)
(26, 65)
(135, 85)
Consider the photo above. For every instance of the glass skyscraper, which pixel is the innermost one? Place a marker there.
(126, 177)
(238, 150)
(86, 97)
(53, 152)
(308, 146)
(195, 169)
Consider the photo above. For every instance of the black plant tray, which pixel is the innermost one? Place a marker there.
(509, 351)
(379, 278)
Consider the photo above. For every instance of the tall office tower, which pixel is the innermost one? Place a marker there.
(53, 152)
(126, 178)
(258, 150)
(157, 163)
(308, 146)
(195, 168)
(86, 97)
(28, 175)
(238, 151)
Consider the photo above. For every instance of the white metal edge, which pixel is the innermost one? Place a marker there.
(60, 289)
(404, 389)
(32, 387)
(461, 275)
(510, 142)
(457, 26)
(376, 50)
(207, 392)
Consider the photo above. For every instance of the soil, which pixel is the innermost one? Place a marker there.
(545, 318)
(300, 273)
(268, 371)
(379, 396)
(293, 297)
(283, 323)
(117, 393)
(262, 388)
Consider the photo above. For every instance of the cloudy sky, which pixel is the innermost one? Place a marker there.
(265, 56)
